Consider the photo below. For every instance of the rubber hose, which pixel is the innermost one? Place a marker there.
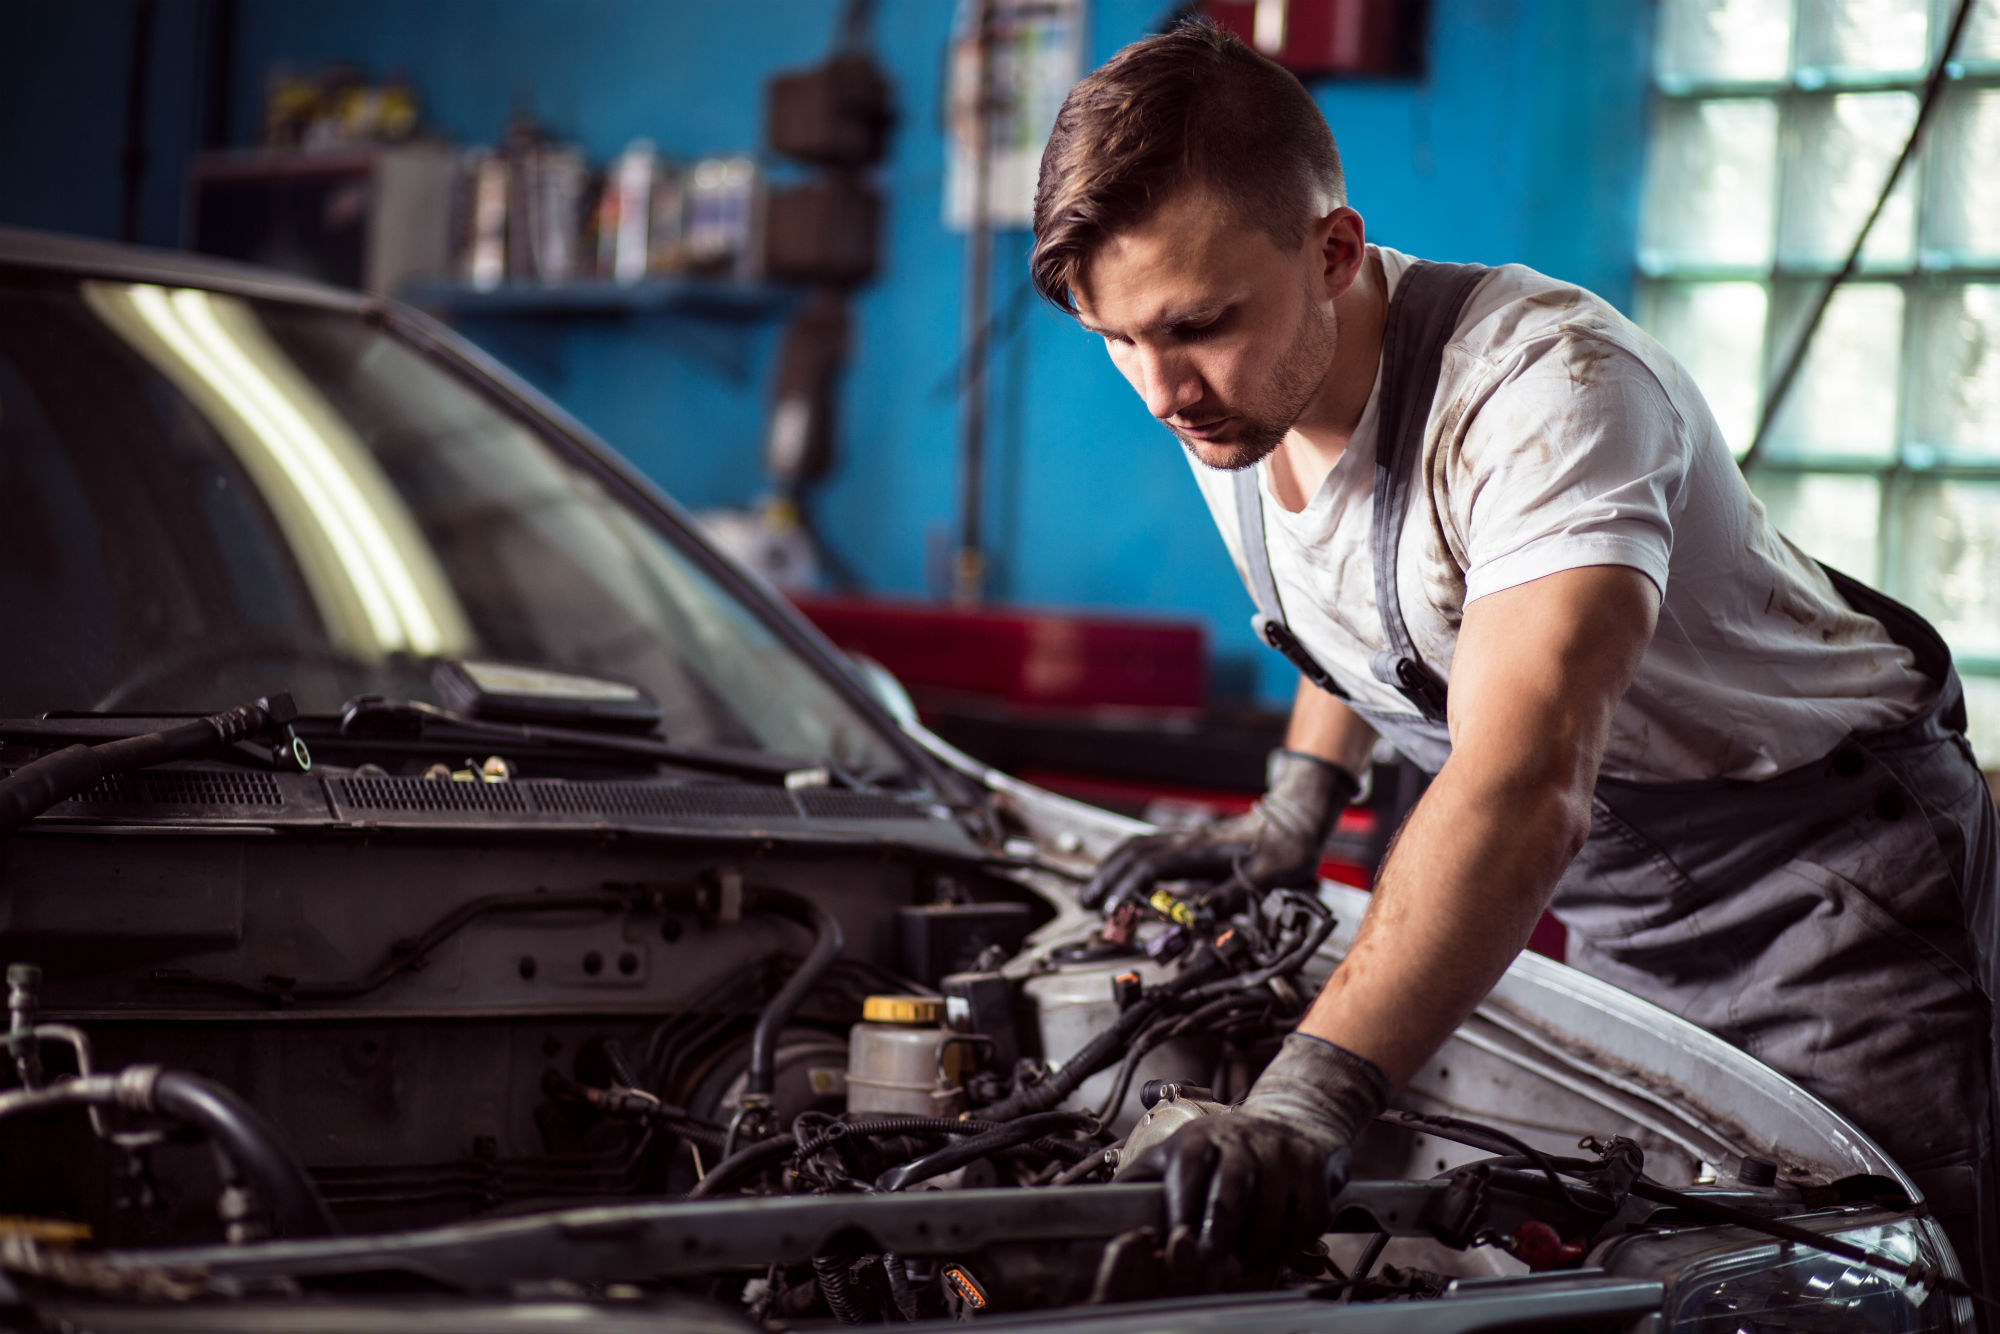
(876, 1126)
(1068, 1150)
(54, 778)
(953, 1156)
(706, 1136)
(837, 1286)
(1093, 1056)
(764, 1153)
(827, 943)
(252, 1144)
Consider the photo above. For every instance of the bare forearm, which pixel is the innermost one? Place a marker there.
(1321, 725)
(1458, 896)
(1540, 669)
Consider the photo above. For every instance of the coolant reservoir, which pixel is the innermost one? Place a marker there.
(900, 1059)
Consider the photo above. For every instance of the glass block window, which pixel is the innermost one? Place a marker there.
(1775, 123)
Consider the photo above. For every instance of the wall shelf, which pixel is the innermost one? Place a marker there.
(698, 298)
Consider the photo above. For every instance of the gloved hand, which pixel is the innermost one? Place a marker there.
(1275, 842)
(1259, 1181)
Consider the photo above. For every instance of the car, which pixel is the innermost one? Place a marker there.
(440, 891)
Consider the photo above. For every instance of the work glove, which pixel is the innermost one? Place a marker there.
(1276, 842)
(1258, 1181)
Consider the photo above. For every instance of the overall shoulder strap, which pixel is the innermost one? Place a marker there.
(1421, 320)
(1271, 626)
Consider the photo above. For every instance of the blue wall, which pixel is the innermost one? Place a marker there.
(1524, 142)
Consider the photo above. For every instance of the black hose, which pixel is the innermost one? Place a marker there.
(44, 782)
(1093, 1056)
(252, 1144)
(837, 1286)
(1067, 1150)
(1477, 1135)
(232, 1125)
(827, 943)
(1291, 962)
(1364, 1266)
(953, 1156)
(875, 1127)
(900, 1290)
(764, 1153)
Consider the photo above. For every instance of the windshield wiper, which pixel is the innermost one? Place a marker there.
(54, 778)
(373, 717)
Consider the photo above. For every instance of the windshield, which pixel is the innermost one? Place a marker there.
(209, 498)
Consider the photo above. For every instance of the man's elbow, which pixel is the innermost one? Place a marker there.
(1571, 820)
(1553, 811)
(1548, 795)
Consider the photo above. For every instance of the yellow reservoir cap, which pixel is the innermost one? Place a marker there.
(902, 1009)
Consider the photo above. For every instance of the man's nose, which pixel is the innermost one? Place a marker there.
(1168, 383)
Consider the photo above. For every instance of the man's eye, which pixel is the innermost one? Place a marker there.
(1195, 331)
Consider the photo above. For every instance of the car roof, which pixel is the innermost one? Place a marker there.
(52, 252)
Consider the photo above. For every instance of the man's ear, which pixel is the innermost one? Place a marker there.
(1343, 248)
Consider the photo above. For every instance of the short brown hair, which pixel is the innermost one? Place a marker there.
(1193, 105)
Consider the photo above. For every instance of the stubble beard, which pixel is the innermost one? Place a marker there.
(1294, 382)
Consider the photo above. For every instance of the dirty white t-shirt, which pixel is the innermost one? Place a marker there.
(1562, 436)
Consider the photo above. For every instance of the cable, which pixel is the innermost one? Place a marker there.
(877, 1127)
(1366, 1264)
(1915, 1272)
(1781, 384)
(1160, 1034)
(1291, 962)
(836, 1285)
(1493, 1140)
(1095, 1055)
(979, 1146)
(764, 1153)
(900, 1290)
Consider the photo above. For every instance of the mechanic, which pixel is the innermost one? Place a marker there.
(1740, 779)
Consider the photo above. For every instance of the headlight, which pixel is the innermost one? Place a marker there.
(1780, 1286)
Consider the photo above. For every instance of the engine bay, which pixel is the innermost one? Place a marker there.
(774, 1076)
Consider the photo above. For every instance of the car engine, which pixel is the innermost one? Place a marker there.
(772, 1056)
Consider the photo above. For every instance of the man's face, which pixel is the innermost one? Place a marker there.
(1226, 336)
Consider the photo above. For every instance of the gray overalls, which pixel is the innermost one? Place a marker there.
(1837, 921)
